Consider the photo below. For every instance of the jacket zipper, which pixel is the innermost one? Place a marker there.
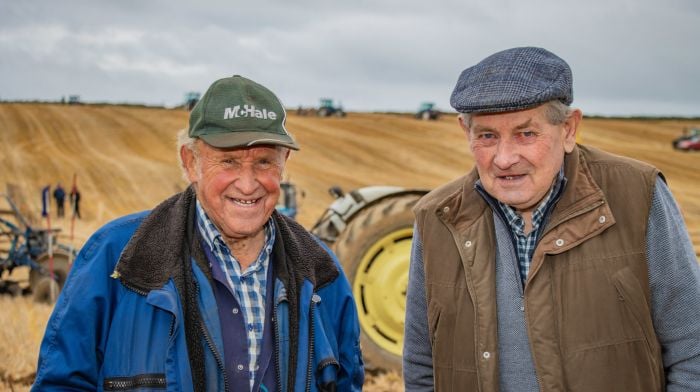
(327, 363)
(275, 325)
(211, 346)
(116, 275)
(314, 299)
(141, 381)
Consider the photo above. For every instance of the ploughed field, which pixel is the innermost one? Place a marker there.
(125, 160)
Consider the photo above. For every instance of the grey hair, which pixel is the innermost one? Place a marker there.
(556, 113)
(190, 143)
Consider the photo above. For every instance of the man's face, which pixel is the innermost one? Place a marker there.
(238, 188)
(518, 154)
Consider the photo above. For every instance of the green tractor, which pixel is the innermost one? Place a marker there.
(326, 109)
(370, 229)
(427, 111)
(191, 99)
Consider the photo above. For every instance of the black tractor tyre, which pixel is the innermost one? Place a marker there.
(374, 250)
(46, 290)
(61, 266)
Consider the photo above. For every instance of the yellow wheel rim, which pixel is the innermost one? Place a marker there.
(379, 287)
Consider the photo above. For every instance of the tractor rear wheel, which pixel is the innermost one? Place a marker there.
(61, 265)
(374, 250)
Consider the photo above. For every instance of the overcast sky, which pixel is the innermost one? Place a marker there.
(629, 57)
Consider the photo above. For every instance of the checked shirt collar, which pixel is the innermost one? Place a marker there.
(525, 244)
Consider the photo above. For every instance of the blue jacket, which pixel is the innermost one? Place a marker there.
(121, 323)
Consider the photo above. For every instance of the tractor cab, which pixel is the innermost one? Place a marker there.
(326, 109)
(427, 111)
(191, 99)
(426, 106)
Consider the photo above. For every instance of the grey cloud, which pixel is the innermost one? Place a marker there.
(627, 56)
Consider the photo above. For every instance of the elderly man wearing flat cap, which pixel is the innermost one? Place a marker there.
(551, 266)
(212, 290)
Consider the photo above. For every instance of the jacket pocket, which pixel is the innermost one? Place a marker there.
(138, 382)
(632, 297)
(433, 322)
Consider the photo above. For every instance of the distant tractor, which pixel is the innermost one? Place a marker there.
(689, 141)
(24, 246)
(427, 111)
(326, 109)
(191, 99)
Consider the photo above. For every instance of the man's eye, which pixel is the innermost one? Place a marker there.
(486, 136)
(526, 137)
(264, 164)
(229, 162)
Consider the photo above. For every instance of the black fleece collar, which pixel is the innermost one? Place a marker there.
(160, 244)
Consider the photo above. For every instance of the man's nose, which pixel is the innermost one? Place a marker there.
(507, 155)
(246, 181)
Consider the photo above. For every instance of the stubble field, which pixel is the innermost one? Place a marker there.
(125, 161)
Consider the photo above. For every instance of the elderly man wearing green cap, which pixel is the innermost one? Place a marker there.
(551, 266)
(212, 290)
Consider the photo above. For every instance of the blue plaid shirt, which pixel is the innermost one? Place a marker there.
(525, 243)
(248, 287)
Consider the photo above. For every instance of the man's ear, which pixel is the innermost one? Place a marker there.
(189, 161)
(570, 129)
(465, 127)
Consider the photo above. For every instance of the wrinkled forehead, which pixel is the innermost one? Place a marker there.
(262, 150)
(504, 121)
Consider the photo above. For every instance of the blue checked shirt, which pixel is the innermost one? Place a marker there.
(525, 243)
(248, 287)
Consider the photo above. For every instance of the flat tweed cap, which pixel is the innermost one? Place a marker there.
(514, 79)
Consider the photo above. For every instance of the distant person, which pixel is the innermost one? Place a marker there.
(550, 266)
(59, 194)
(75, 201)
(213, 290)
(45, 200)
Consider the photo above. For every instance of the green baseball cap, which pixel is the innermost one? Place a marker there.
(237, 112)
